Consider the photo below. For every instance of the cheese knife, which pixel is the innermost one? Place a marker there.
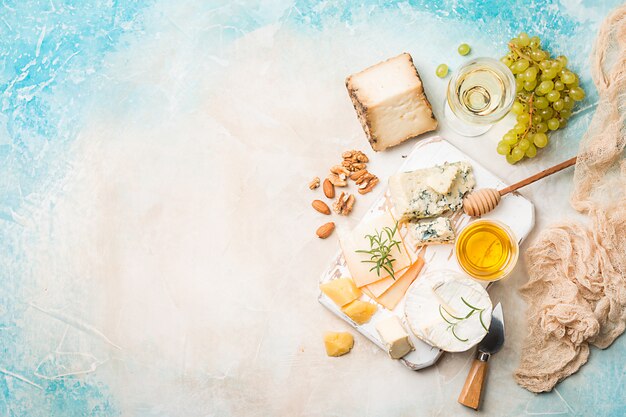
(491, 343)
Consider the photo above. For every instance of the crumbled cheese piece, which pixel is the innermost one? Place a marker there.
(438, 230)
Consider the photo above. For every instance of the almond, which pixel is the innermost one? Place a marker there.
(329, 188)
(325, 230)
(320, 206)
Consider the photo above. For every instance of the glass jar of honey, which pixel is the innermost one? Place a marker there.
(487, 250)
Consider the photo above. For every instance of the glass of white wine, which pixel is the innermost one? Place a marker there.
(480, 93)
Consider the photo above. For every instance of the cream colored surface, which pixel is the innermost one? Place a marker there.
(193, 238)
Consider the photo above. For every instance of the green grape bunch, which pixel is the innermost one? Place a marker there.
(546, 92)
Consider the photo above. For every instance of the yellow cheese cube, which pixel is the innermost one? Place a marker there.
(360, 311)
(342, 291)
(338, 343)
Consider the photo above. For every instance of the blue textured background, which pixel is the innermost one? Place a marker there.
(51, 59)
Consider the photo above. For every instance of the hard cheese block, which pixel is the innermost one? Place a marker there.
(395, 338)
(357, 239)
(438, 309)
(338, 343)
(360, 311)
(429, 192)
(342, 291)
(390, 102)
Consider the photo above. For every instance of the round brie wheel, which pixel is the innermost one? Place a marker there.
(447, 310)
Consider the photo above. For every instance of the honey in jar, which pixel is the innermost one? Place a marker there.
(487, 250)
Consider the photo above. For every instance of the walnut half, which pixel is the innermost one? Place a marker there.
(344, 203)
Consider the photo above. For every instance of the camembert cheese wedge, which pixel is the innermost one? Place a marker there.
(448, 311)
(390, 102)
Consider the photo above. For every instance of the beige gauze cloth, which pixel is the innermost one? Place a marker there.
(576, 292)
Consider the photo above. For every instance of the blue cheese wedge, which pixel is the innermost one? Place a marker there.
(426, 232)
(430, 192)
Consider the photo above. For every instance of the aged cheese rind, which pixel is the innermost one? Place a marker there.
(413, 195)
(390, 102)
(438, 230)
(394, 337)
(445, 289)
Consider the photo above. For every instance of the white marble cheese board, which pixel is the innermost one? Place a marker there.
(514, 210)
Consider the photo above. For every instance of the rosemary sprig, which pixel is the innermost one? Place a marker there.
(381, 245)
(454, 320)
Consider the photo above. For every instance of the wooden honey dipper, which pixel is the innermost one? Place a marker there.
(485, 200)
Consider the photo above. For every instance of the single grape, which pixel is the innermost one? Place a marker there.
(535, 42)
(531, 152)
(531, 73)
(520, 66)
(541, 103)
(464, 49)
(503, 148)
(517, 108)
(442, 71)
(524, 40)
(541, 127)
(508, 61)
(562, 122)
(540, 140)
(577, 93)
(524, 144)
(568, 77)
(565, 113)
(558, 105)
(510, 138)
(519, 85)
(553, 124)
(546, 114)
(562, 59)
(517, 153)
(536, 119)
(530, 85)
(553, 96)
(520, 128)
(545, 64)
(568, 102)
(510, 159)
(545, 87)
(537, 55)
(515, 42)
(523, 118)
(559, 86)
(556, 67)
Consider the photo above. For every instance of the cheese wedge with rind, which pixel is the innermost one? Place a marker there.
(342, 291)
(432, 301)
(360, 311)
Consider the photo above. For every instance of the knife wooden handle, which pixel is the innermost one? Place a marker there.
(473, 388)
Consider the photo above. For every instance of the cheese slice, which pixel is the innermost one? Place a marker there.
(390, 298)
(379, 287)
(390, 102)
(416, 195)
(394, 337)
(356, 240)
(439, 295)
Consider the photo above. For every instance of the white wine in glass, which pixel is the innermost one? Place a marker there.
(480, 93)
